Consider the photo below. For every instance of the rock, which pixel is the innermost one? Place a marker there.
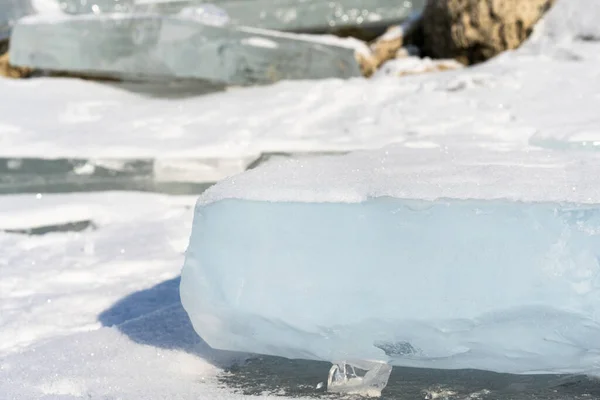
(387, 46)
(367, 63)
(473, 31)
(6, 69)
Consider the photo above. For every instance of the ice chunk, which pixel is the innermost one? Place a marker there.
(10, 11)
(414, 257)
(175, 46)
(287, 15)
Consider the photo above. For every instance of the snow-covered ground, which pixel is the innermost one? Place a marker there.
(91, 309)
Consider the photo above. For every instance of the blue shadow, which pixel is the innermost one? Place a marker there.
(155, 317)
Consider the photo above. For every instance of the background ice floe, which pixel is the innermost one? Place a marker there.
(527, 93)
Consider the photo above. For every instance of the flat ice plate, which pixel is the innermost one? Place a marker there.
(477, 171)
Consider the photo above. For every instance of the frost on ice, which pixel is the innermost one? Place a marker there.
(423, 258)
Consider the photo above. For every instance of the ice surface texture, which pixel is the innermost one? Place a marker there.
(464, 171)
(177, 46)
(287, 15)
(479, 281)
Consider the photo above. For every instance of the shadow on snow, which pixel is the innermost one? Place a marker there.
(155, 317)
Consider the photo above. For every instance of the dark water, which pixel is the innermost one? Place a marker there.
(32, 175)
(68, 175)
(296, 378)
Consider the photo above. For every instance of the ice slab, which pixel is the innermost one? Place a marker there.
(10, 12)
(175, 46)
(437, 258)
(286, 15)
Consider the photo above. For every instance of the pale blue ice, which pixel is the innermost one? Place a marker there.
(498, 285)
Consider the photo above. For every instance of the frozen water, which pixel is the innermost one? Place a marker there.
(10, 12)
(428, 258)
(287, 15)
(174, 46)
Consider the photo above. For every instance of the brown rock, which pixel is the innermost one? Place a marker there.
(8, 70)
(366, 62)
(472, 31)
(386, 46)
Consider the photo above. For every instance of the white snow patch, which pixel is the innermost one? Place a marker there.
(65, 280)
(46, 6)
(415, 65)
(260, 42)
(465, 172)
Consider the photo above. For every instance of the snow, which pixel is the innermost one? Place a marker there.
(64, 280)
(499, 100)
(46, 6)
(406, 64)
(97, 313)
(511, 99)
(91, 310)
(208, 14)
(478, 172)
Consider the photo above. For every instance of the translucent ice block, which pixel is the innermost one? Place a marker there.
(10, 11)
(175, 46)
(497, 285)
(288, 15)
(422, 258)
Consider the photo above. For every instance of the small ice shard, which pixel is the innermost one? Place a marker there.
(359, 378)
(285, 15)
(175, 46)
(443, 258)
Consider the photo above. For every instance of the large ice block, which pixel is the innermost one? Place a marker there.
(176, 46)
(412, 257)
(287, 15)
(10, 12)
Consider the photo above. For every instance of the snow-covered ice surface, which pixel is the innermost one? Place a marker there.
(62, 293)
(89, 302)
(478, 172)
(64, 280)
(513, 98)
